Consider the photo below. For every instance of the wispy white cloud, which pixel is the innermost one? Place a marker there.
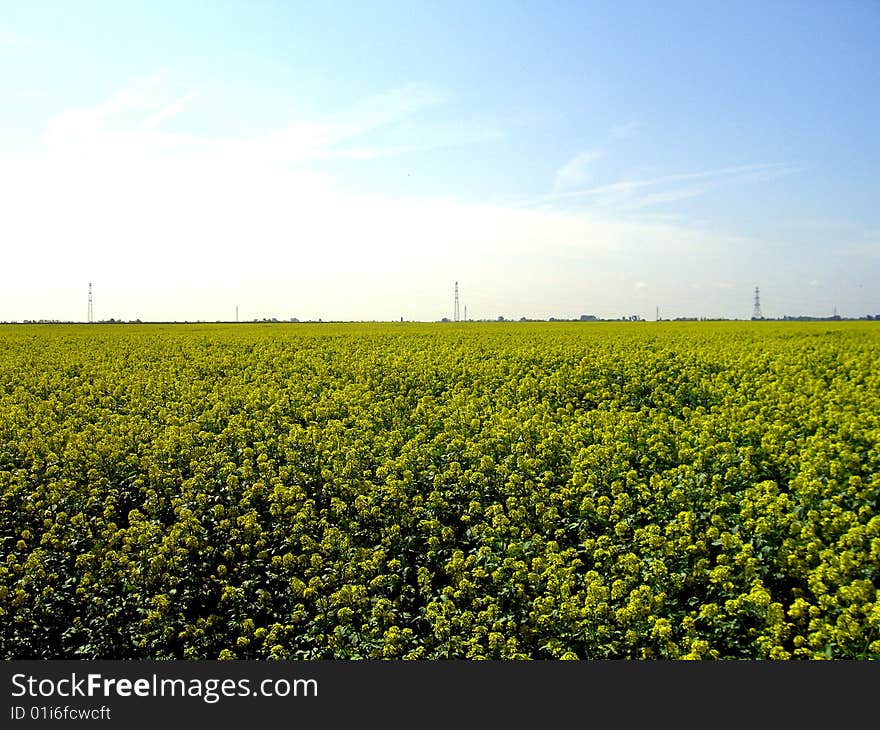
(332, 136)
(740, 172)
(572, 182)
(128, 114)
(168, 111)
(577, 171)
(385, 108)
(130, 123)
(640, 193)
(580, 169)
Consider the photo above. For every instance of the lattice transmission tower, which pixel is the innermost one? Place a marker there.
(90, 317)
(455, 308)
(756, 312)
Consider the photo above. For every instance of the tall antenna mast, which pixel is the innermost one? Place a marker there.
(91, 314)
(756, 312)
(465, 313)
(455, 310)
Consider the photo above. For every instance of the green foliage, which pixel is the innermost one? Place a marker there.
(480, 491)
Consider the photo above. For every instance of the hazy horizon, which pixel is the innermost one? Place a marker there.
(352, 162)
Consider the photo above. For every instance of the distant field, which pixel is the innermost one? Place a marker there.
(464, 490)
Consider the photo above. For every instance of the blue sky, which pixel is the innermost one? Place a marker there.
(353, 160)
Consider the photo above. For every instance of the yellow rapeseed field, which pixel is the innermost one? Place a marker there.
(464, 490)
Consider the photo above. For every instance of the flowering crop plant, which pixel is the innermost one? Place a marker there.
(517, 490)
